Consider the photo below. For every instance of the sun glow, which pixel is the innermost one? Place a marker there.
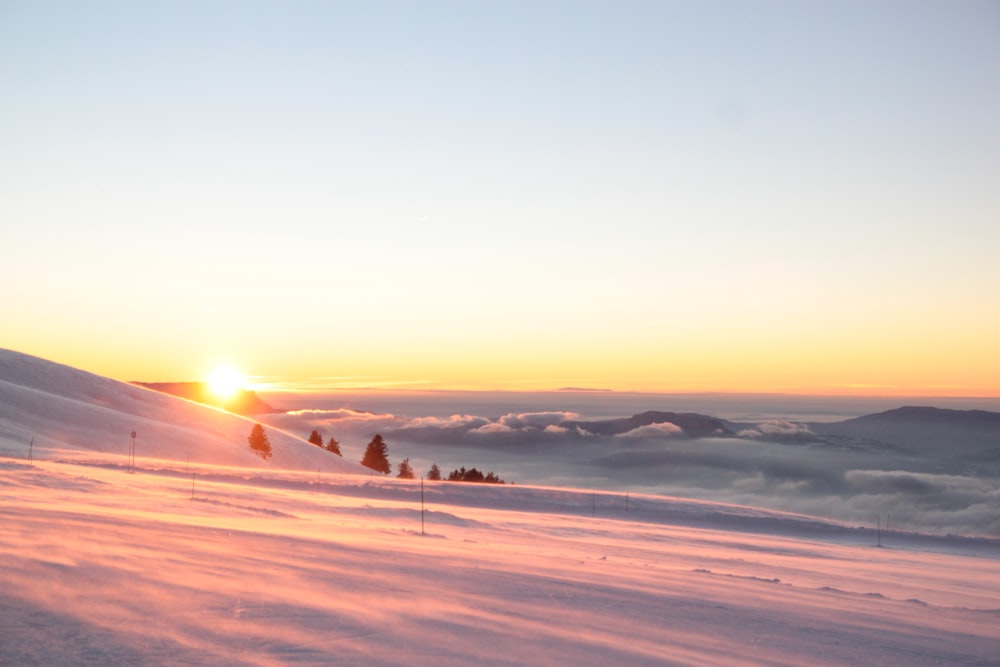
(224, 382)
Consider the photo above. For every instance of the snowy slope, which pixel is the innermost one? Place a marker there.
(63, 408)
(171, 567)
(208, 555)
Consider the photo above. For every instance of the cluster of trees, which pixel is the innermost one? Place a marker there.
(331, 446)
(463, 475)
(261, 445)
(376, 457)
(473, 475)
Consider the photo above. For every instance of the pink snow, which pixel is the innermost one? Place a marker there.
(208, 555)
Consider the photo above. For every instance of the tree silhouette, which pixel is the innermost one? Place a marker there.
(473, 475)
(434, 473)
(405, 469)
(259, 442)
(377, 455)
(315, 438)
(333, 446)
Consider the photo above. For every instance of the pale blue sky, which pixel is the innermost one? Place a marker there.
(504, 179)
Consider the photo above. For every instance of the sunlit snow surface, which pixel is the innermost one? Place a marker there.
(202, 565)
(207, 554)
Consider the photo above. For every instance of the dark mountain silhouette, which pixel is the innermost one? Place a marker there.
(693, 425)
(926, 430)
(243, 402)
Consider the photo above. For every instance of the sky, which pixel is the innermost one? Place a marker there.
(641, 196)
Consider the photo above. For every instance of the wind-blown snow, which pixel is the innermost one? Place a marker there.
(229, 560)
(249, 567)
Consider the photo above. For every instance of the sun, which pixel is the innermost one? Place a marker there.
(224, 382)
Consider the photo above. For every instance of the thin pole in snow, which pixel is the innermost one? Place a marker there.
(421, 505)
(31, 450)
(878, 529)
(131, 455)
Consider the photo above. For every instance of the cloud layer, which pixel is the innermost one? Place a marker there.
(776, 463)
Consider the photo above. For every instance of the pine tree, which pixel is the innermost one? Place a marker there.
(315, 438)
(333, 446)
(377, 455)
(405, 470)
(434, 473)
(259, 442)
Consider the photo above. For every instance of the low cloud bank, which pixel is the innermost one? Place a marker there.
(658, 430)
(776, 464)
(340, 423)
(522, 428)
(812, 480)
(781, 431)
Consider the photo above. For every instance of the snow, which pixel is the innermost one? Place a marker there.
(228, 559)
(69, 409)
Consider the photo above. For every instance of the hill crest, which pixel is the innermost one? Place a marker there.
(54, 407)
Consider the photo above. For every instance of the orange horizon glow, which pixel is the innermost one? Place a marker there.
(767, 372)
(387, 386)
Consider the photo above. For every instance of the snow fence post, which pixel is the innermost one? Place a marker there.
(131, 455)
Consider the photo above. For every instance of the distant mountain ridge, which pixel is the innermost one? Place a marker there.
(921, 429)
(939, 432)
(243, 402)
(930, 415)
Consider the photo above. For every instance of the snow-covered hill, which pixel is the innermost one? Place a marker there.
(209, 555)
(66, 409)
(208, 565)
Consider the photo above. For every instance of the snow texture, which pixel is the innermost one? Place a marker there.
(227, 559)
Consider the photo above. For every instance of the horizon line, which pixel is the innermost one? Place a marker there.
(402, 388)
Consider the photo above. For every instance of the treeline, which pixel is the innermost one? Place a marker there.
(473, 475)
(376, 457)
(332, 446)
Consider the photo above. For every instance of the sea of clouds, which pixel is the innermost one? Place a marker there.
(774, 463)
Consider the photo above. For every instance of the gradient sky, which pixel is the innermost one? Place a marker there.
(659, 196)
